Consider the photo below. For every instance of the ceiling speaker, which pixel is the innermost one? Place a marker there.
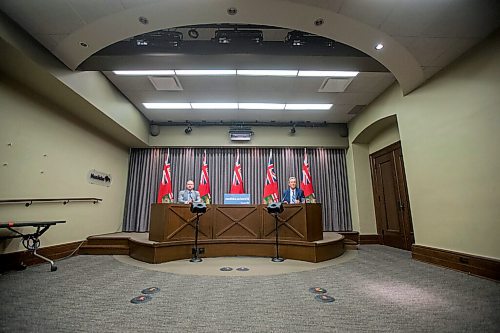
(154, 130)
(344, 132)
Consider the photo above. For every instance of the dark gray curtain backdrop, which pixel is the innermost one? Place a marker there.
(327, 167)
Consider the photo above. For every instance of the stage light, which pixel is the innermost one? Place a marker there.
(188, 129)
(193, 33)
(292, 130)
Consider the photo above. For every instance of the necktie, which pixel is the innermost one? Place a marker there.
(293, 197)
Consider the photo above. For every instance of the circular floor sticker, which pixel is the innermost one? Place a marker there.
(243, 269)
(141, 299)
(317, 290)
(151, 290)
(226, 269)
(324, 298)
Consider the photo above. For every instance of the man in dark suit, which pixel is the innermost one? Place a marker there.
(293, 194)
(189, 195)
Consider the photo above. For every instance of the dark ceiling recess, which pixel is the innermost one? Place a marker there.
(228, 40)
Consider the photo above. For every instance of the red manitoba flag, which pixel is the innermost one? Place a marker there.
(204, 187)
(271, 187)
(165, 194)
(306, 183)
(237, 183)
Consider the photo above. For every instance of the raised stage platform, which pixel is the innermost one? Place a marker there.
(138, 246)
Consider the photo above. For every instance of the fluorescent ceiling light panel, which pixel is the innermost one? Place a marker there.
(145, 72)
(264, 72)
(193, 72)
(308, 106)
(167, 105)
(261, 106)
(328, 73)
(215, 106)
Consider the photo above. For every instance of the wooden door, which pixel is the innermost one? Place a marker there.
(392, 208)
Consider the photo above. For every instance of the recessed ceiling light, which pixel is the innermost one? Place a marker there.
(83, 44)
(319, 22)
(264, 72)
(379, 46)
(308, 106)
(214, 106)
(167, 105)
(261, 106)
(205, 72)
(329, 73)
(232, 11)
(145, 72)
(143, 20)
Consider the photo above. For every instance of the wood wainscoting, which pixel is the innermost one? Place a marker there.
(22, 259)
(476, 265)
(370, 239)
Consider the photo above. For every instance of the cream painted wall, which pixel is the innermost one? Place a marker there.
(31, 128)
(384, 139)
(450, 130)
(360, 182)
(96, 99)
(359, 179)
(217, 136)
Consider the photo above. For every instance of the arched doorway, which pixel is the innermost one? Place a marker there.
(390, 194)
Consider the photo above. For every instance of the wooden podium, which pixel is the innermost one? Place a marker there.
(297, 222)
(229, 230)
(175, 222)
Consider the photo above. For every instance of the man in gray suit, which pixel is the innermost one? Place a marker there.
(189, 195)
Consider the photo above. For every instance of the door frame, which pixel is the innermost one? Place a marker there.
(406, 220)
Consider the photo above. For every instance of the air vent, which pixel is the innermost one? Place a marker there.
(357, 109)
(335, 85)
(240, 133)
(170, 83)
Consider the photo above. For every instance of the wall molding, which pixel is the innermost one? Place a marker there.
(369, 239)
(21, 259)
(475, 265)
(349, 235)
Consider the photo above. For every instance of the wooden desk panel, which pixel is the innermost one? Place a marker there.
(297, 222)
(171, 222)
(237, 222)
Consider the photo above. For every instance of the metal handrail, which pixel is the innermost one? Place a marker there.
(29, 202)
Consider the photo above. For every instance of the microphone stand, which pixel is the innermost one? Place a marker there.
(195, 251)
(277, 258)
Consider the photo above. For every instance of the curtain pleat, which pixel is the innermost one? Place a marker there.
(327, 167)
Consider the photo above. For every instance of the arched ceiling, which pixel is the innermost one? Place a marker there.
(169, 14)
(419, 38)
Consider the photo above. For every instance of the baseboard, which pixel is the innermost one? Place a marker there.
(481, 266)
(369, 239)
(350, 235)
(21, 259)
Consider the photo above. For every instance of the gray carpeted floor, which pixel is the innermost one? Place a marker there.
(381, 289)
